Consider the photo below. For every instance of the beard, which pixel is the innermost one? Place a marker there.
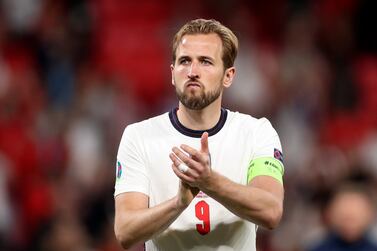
(198, 101)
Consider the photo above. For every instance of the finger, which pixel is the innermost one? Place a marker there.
(189, 172)
(195, 154)
(176, 161)
(181, 175)
(183, 167)
(204, 143)
(184, 158)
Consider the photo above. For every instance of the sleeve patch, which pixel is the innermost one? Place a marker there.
(278, 155)
(266, 166)
(119, 170)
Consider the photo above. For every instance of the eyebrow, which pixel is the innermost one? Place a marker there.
(200, 57)
(206, 57)
(183, 57)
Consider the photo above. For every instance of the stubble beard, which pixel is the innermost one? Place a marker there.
(198, 101)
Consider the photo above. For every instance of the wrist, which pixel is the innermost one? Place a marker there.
(212, 183)
(179, 205)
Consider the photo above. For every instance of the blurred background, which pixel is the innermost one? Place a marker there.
(74, 73)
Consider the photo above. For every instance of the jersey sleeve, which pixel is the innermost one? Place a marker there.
(131, 175)
(267, 157)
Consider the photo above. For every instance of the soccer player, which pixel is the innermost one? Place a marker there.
(199, 177)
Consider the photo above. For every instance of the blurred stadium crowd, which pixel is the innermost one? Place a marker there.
(74, 73)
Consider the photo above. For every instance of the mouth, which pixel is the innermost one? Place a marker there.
(193, 84)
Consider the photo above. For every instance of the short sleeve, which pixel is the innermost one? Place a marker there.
(267, 158)
(131, 175)
(266, 141)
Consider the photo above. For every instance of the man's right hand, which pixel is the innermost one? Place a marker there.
(185, 195)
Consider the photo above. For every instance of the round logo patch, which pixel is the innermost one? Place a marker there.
(278, 155)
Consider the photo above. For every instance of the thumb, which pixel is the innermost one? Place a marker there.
(204, 143)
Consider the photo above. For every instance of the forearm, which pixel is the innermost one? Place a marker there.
(133, 226)
(251, 203)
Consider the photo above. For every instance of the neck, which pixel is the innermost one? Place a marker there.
(200, 119)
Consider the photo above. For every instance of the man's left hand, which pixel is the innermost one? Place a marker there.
(198, 161)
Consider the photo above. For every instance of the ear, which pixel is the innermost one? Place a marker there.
(228, 76)
(172, 74)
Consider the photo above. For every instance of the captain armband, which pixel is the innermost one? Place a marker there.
(268, 166)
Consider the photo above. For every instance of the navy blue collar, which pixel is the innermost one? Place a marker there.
(197, 133)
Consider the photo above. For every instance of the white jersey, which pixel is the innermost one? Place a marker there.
(144, 166)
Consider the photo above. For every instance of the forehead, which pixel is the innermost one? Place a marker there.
(350, 200)
(200, 45)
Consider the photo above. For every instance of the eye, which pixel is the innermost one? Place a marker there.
(184, 61)
(206, 62)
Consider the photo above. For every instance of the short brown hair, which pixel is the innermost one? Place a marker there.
(204, 26)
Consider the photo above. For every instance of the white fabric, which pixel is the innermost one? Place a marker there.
(146, 168)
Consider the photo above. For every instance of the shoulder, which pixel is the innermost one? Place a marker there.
(147, 127)
(328, 243)
(248, 122)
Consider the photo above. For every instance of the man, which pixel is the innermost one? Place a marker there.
(199, 177)
(350, 215)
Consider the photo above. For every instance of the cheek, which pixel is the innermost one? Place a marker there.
(216, 77)
(178, 77)
(180, 72)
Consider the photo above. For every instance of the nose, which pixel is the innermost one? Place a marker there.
(193, 71)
